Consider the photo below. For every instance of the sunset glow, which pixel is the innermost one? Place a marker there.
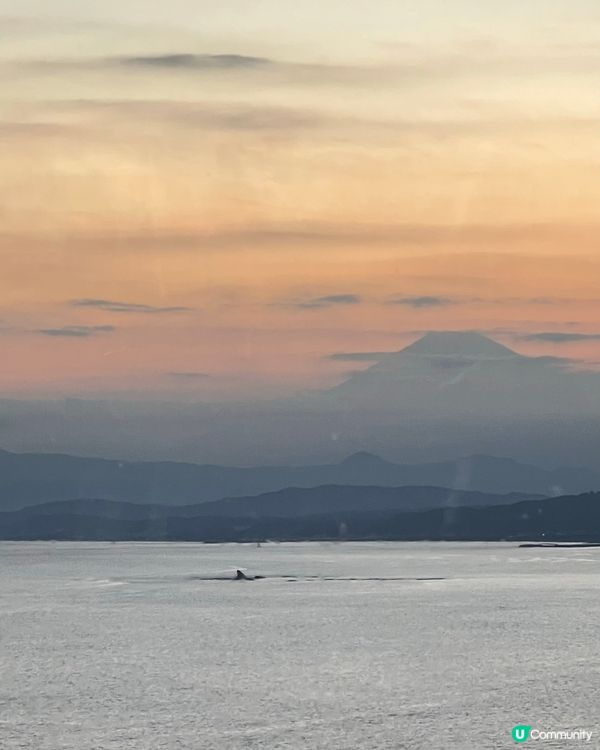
(200, 203)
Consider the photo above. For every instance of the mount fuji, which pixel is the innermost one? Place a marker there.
(446, 395)
(464, 374)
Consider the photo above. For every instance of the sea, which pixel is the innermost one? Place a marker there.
(340, 646)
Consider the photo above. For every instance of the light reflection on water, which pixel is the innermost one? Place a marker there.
(339, 646)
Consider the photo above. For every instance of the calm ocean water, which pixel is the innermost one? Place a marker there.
(118, 646)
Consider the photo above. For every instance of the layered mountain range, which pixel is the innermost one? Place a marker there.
(30, 479)
(362, 497)
(447, 389)
(324, 514)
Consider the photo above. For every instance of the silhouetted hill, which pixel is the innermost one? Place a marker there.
(29, 478)
(292, 502)
(296, 501)
(569, 518)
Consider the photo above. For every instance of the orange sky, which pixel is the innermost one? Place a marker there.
(205, 202)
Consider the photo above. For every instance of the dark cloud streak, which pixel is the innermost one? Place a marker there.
(126, 307)
(357, 356)
(197, 62)
(438, 66)
(75, 331)
(419, 302)
(558, 337)
(331, 300)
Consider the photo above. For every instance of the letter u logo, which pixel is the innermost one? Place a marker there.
(521, 732)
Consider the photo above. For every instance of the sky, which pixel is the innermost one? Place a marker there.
(206, 200)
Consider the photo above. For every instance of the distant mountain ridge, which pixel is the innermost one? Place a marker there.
(461, 373)
(292, 502)
(31, 479)
(567, 518)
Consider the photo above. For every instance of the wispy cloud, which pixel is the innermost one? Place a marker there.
(240, 67)
(210, 115)
(126, 307)
(357, 356)
(189, 375)
(203, 115)
(408, 66)
(422, 301)
(557, 360)
(76, 331)
(331, 300)
(34, 129)
(438, 362)
(197, 62)
(503, 247)
(300, 234)
(558, 337)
